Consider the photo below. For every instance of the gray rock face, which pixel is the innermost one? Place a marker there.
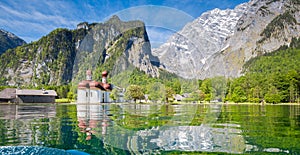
(187, 51)
(267, 26)
(219, 42)
(139, 55)
(63, 56)
(121, 44)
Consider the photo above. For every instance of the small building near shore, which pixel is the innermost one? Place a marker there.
(90, 91)
(35, 96)
(178, 97)
(8, 95)
(13, 95)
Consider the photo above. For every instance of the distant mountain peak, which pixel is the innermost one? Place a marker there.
(9, 34)
(113, 19)
(219, 42)
(187, 51)
(9, 40)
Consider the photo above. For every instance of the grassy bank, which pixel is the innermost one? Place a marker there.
(64, 100)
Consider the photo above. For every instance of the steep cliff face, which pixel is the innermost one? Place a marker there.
(64, 55)
(268, 26)
(187, 51)
(219, 42)
(9, 40)
(114, 46)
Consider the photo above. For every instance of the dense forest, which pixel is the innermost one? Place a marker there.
(272, 78)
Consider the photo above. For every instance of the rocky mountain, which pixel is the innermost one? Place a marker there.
(187, 51)
(64, 55)
(117, 46)
(270, 25)
(219, 42)
(9, 40)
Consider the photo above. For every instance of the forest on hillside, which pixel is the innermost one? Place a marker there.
(272, 78)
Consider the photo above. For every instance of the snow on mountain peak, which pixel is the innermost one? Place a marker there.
(201, 39)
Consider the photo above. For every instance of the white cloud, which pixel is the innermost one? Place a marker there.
(30, 24)
(158, 16)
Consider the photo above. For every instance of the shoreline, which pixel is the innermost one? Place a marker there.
(174, 103)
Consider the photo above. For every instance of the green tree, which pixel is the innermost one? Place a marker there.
(206, 88)
(273, 95)
(238, 95)
(156, 91)
(176, 86)
(70, 96)
(219, 88)
(196, 95)
(114, 95)
(169, 93)
(134, 92)
(189, 86)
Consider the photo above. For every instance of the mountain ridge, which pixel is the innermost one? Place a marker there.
(262, 32)
(64, 55)
(9, 40)
(212, 49)
(192, 44)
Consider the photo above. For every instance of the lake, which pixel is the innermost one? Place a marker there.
(150, 129)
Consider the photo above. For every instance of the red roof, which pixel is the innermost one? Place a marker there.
(94, 85)
(104, 73)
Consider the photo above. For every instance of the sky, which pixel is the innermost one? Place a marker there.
(32, 19)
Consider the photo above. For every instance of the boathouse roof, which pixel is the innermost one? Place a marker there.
(8, 93)
(30, 92)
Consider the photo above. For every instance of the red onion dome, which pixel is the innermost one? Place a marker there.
(88, 72)
(94, 84)
(104, 73)
(106, 86)
(83, 84)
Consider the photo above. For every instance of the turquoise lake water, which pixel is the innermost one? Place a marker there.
(149, 129)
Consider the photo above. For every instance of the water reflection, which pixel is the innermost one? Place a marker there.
(91, 117)
(18, 124)
(153, 129)
(27, 112)
(200, 138)
(153, 135)
(197, 138)
(157, 128)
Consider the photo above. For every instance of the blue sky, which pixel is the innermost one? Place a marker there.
(32, 19)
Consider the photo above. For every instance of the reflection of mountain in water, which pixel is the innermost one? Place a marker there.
(94, 119)
(200, 138)
(203, 138)
(138, 128)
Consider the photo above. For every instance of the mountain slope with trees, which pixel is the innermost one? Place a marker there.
(273, 77)
(63, 56)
